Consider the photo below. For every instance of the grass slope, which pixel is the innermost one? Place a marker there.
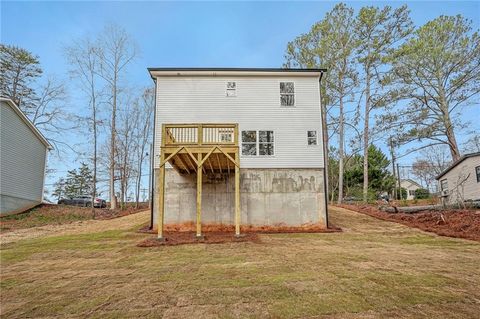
(373, 269)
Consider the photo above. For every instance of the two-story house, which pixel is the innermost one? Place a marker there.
(238, 146)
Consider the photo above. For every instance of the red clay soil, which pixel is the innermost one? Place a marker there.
(188, 237)
(177, 234)
(451, 223)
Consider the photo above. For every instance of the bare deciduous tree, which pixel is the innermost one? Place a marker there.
(115, 51)
(84, 62)
(143, 128)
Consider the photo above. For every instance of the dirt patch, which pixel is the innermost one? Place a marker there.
(76, 227)
(47, 214)
(451, 223)
(188, 237)
(178, 234)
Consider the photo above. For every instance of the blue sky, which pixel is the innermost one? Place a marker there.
(235, 34)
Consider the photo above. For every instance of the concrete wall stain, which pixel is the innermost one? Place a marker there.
(268, 197)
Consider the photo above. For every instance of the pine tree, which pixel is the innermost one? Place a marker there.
(76, 183)
(59, 191)
(19, 69)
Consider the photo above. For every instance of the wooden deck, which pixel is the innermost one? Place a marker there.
(199, 149)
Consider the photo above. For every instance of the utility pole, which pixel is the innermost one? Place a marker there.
(399, 183)
(150, 177)
(144, 193)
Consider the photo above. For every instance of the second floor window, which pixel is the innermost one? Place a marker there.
(231, 88)
(287, 94)
(477, 170)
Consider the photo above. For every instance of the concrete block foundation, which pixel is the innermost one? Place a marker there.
(290, 197)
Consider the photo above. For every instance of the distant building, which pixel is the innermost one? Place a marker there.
(461, 181)
(23, 155)
(411, 186)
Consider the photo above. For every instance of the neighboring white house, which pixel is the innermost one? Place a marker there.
(23, 154)
(461, 181)
(410, 186)
(277, 115)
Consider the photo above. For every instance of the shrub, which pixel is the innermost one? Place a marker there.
(422, 193)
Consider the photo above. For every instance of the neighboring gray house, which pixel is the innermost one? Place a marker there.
(257, 136)
(461, 181)
(23, 155)
(410, 186)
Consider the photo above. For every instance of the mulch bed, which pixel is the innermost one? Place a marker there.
(178, 234)
(458, 223)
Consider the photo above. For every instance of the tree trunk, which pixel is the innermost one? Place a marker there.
(452, 141)
(393, 167)
(94, 127)
(139, 178)
(340, 151)
(113, 199)
(365, 137)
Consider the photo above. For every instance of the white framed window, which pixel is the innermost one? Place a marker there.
(231, 89)
(265, 143)
(444, 185)
(312, 138)
(249, 143)
(287, 94)
(258, 143)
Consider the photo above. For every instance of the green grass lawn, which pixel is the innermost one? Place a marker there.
(374, 269)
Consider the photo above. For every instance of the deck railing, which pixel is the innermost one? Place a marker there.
(200, 134)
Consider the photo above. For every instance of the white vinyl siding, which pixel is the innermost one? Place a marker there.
(461, 180)
(256, 107)
(22, 157)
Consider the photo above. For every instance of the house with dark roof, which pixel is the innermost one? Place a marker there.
(238, 146)
(461, 181)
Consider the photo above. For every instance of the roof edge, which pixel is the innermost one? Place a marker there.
(236, 69)
(27, 121)
(215, 71)
(454, 164)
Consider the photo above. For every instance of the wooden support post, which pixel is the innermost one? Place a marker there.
(199, 195)
(237, 195)
(200, 134)
(161, 197)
